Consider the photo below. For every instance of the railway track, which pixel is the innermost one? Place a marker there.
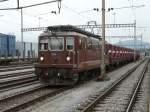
(141, 102)
(15, 65)
(15, 68)
(18, 86)
(23, 99)
(6, 83)
(120, 96)
(7, 75)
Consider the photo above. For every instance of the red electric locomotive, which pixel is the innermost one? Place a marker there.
(67, 52)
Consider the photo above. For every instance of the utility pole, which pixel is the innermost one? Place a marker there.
(22, 44)
(102, 66)
(141, 45)
(134, 39)
(18, 4)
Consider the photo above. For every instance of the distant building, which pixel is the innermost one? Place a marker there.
(29, 50)
(7, 45)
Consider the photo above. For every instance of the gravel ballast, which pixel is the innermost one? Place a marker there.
(71, 99)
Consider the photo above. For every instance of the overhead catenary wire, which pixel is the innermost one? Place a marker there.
(17, 24)
(22, 7)
(28, 6)
(90, 10)
(3, 0)
(74, 11)
(131, 5)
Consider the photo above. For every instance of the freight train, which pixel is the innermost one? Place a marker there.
(67, 53)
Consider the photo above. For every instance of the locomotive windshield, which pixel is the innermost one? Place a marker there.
(56, 43)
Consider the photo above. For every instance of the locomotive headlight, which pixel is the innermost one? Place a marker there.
(41, 58)
(68, 58)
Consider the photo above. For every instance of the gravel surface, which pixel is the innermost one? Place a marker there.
(70, 100)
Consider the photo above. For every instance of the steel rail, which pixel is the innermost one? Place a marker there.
(6, 81)
(108, 90)
(31, 101)
(28, 83)
(15, 68)
(15, 74)
(17, 82)
(6, 98)
(10, 83)
(130, 104)
(15, 65)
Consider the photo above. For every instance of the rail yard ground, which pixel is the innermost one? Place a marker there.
(92, 60)
(73, 99)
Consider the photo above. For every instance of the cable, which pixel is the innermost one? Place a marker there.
(136, 6)
(70, 9)
(131, 5)
(86, 11)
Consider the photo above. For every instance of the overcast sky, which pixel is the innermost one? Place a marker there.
(75, 12)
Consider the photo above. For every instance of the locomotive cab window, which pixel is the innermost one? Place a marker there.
(56, 43)
(69, 43)
(43, 44)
